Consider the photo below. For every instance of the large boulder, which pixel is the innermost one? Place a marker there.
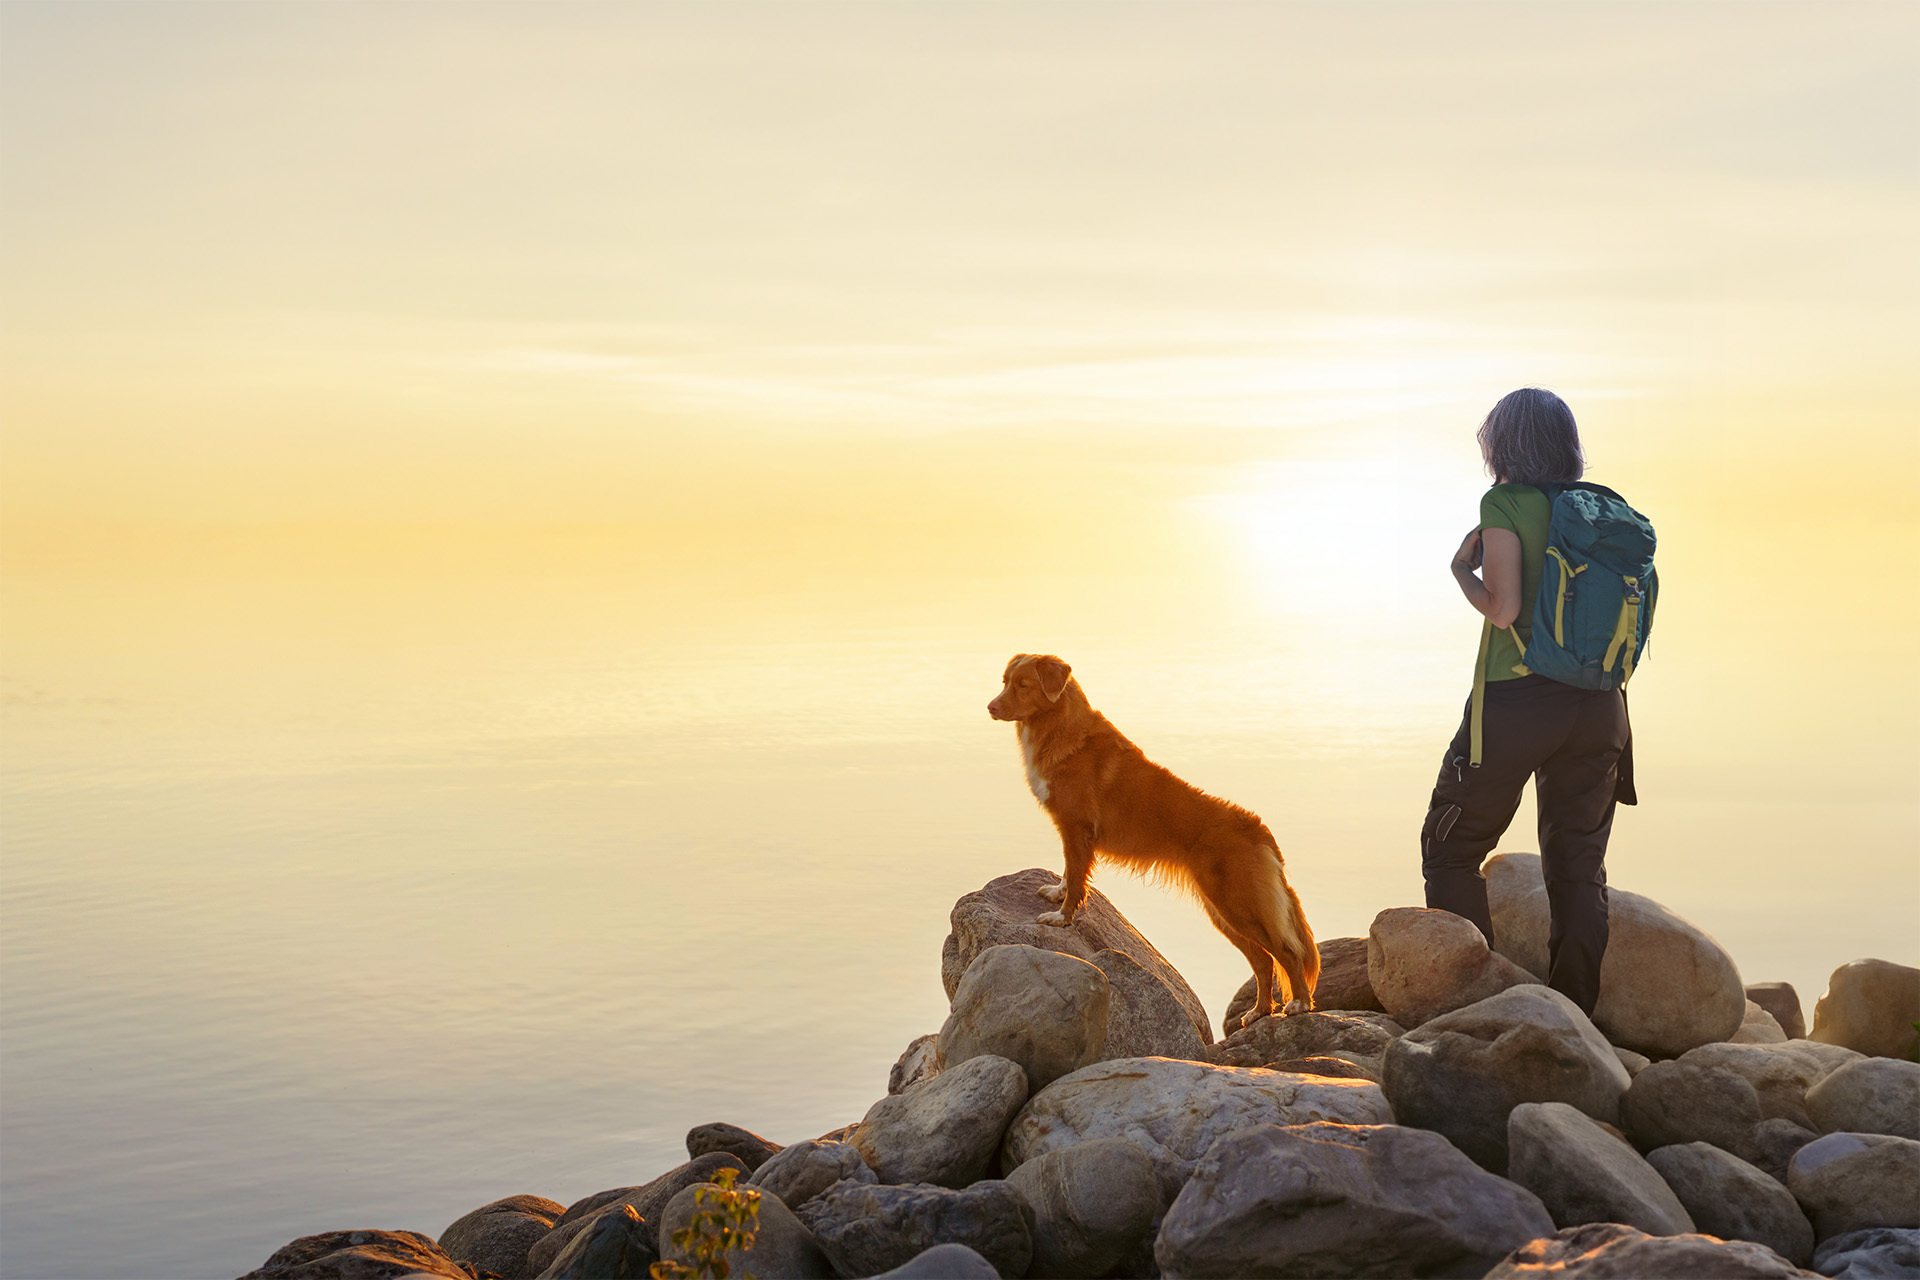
(359, 1255)
(1612, 1251)
(1362, 1036)
(1665, 986)
(1783, 1002)
(614, 1246)
(1006, 911)
(751, 1149)
(782, 1245)
(805, 1169)
(496, 1237)
(1175, 1110)
(1727, 1197)
(1339, 1066)
(1144, 1020)
(943, 1262)
(1094, 1204)
(1869, 1095)
(1757, 1026)
(1341, 1200)
(1342, 984)
(646, 1200)
(1851, 1181)
(867, 1230)
(1870, 1255)
(1042, 1009)
(1423, 963)
(1871, 1007)
(947, 1130)
(1464, 1072)
(1584, 1174)
(920, 1063)
(1745, 1098)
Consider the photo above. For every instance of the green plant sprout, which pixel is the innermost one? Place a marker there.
(723, 1220)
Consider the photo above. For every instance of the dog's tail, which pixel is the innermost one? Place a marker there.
(1285, 924)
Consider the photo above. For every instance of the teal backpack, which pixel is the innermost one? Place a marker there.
(1594, 609)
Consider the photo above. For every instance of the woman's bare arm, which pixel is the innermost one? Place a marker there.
(1495, 591)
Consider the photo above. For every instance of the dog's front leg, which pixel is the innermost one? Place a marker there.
(1072, 889)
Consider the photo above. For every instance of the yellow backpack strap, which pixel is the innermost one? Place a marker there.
(1626, 632)
(1476, 715)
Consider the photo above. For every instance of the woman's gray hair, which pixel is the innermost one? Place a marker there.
(1530, 438)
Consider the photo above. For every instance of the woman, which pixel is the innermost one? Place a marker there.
(1573, 742)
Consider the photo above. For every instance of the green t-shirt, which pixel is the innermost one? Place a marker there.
(1525, 510)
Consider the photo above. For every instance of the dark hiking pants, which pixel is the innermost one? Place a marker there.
(1571, 741)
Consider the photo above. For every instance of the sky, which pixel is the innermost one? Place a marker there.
(494, 265)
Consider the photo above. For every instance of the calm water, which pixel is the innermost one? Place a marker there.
(362, 901)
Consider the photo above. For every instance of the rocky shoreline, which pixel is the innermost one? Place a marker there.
(1442, 1113)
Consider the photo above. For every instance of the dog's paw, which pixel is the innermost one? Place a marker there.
(1296, 1006)
(1252, 1016)
(1058, 919)
(1054, 892)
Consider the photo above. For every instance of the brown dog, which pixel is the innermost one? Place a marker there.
(1107, 798)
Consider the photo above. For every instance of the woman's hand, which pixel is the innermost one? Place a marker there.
(1496, 591)
(1467, 558)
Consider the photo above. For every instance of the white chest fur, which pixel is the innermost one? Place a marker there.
(1035, 783)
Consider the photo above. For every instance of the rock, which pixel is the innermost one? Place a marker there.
(1308, 1035)
(1347, 1068)
(841, 1134)
(1176, 1110)
(1006, 910)
(1851, 1181)
(947, 1130)
(1041, 1009)
(1665, 986)
(944, 1262)
(1584, 1174)
(1343, 984)
(1783, 1002)
(614, 1246)
(1747, 1099)
(1777, 1141)
(1143, 1018)
(1870, 1007)
(1727, 1197)
(805, 1169)
(587, 1204)
(496, 1237)
(1462, 1073)
(1635, 1063)
(1423, 963)
(920, 1063)
(750, 1149)
(359, 1255)
(782, 1244)
(1870, 1095)
(1758, 1027)
(866, 1230)
(647, 1201)
(1093, 1205)
(1610, 1251)
(1339, 1200)
(1870, 1254)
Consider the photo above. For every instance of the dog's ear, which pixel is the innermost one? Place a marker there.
(1053, 675)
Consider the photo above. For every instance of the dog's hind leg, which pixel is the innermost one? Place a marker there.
(1300, 989)
(1291, 940)
(1257, 956)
